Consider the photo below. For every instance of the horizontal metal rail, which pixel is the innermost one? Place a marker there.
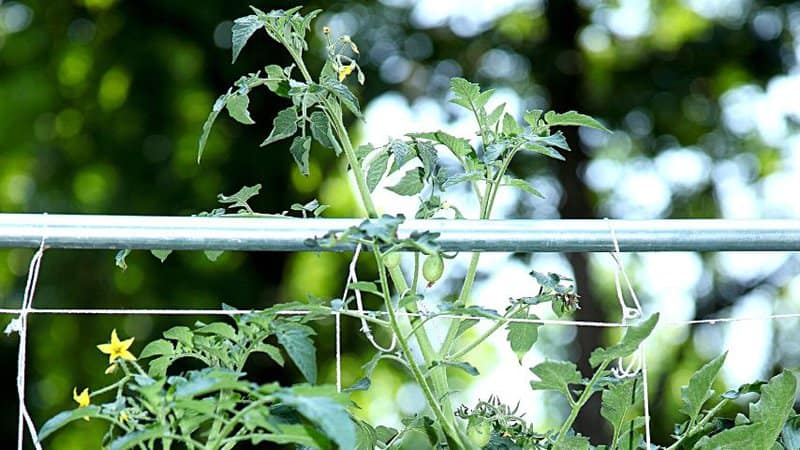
(290, 234)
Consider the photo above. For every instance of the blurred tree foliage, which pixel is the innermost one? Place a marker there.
(103, 101)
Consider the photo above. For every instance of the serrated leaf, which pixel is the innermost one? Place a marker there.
(532, 118)
(181, 334)
(161, 254)
(542, 150)
(410, 184)
(237, 108)
(209, 123)
(321, 129)
(402, 153)
(219, 329)
(377, 168)
(493, 152)
(466, 93)
(427, 154)
(577, 442)
(241, 197)
(510, 125)
(556, 376)
(208, 380)
(522, 335)
(279, 83)
(270, 350)
(743, 437)
(774, 406)
(300, 149)
(634, 336)
(283, 126)
(475, 175)
(698, 391)
(159, 347)
(521, 184)
(556, 139)
(157, 368)
(65, 417)
(119, 258)
(213, 255)
(572, 118)
(496, 113)
(619, 403)
(243, 28)
(344, 95)
(330, 416)
(363, 150)
(295, 339)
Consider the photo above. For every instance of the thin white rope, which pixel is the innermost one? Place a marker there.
(20, 326)
(353, 277)
(638, 363)
(338, 352)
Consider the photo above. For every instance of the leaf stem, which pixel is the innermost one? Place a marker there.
(486, 334)
(585, 396)
(699, 425)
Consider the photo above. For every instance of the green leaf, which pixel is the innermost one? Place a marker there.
(331, 417)
(774, 406)
(459, 146)
(475, 175)
(344, 95)
(366, 437)
(366, 286)
(283, 126)
(301, 147)
(376, 170)
(161, 254)
(466, 93)
(556, 376)
(63, 418)
(241, 197)
(619, 403)
(119, 258)
(410, 184)
(305, 436)
(573, 443)
(208, 380)
(542, 150)
(634, 336)
(243, 29)
(270, 350)
(158, 347)
(493, 152)
(521, 184)
(465, 366)
(219, 329)
(237, 108)
(427, 154)
(496, 113)
(212, 255)
(158, 366)
(212, 117)
(181, 334)
(402, 153)
(321, 129)
(698, 391)
(280, 85)
(510, 125)
(742, 437)
(574, 119)
(132, 439)
(522, 335)
(790, 435)
(295, 339)
(532, 118)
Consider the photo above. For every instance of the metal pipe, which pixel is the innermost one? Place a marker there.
(290, 234)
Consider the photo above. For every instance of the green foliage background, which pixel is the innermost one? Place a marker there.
(103, 102)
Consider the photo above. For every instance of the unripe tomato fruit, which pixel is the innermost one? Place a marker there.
(432, 268)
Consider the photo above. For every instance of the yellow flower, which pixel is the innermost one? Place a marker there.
(326, 30)
(82, 399)
(344, 71)
(117, 349)
(123, 417)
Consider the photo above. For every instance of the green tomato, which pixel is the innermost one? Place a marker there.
(391, 260)
(432, 268)
(479, 431)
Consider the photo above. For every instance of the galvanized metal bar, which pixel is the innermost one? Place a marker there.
(290, 234)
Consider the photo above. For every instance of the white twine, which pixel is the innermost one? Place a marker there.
(20, 325)
(338, 352)
(638, 362)
(352, 277)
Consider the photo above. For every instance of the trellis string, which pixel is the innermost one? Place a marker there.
(352, 277)
(638, 362)
(20, 326)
